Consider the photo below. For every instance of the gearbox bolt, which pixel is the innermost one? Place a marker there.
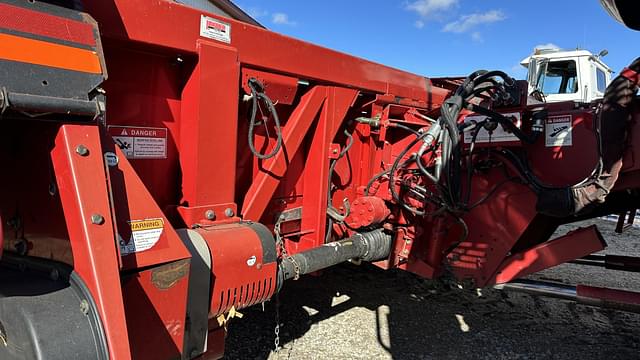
(228, 212)
(97, 219)
(82, 150)
(210, 215)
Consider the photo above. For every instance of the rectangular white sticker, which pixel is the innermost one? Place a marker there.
(558, 131)
(140, 142)
(215, 29)
(497, 135)
(144, 235)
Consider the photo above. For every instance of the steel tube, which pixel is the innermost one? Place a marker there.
(611, 262)
(28, 102)
(560, 291)
(588, 295)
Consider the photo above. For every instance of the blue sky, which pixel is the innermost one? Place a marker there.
(449, 37)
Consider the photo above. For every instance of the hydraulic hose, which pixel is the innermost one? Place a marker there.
(258, 94)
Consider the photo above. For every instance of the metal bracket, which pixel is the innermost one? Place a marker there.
(289, 215)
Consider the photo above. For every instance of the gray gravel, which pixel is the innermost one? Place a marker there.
(366, 313)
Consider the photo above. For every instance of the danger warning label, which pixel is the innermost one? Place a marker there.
(140, 142)
(144, 235)
(558, 131)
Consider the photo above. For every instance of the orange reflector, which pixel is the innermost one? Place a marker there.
(38, 52)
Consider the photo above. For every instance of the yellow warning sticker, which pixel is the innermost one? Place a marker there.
(140, 225)
(144, 235)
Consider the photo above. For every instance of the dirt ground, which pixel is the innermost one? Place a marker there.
(366, 313)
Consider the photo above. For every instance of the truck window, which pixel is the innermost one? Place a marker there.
(560, 77)
(601, 80)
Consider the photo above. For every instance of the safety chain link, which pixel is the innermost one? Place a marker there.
(284, 255)
(276, 331)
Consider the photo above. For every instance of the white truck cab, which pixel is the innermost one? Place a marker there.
(561, 75)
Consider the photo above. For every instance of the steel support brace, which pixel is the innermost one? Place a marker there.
(81, 179)
(272, 170)
(209, 127)
(339, 101)
(574, 245)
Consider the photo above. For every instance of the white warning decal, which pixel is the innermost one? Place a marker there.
(140, 142)
(558, 131)
(144, 235)
(215, 29)
(499, 134)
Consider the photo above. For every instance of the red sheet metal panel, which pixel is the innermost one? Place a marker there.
(574, 245)
(155, 301)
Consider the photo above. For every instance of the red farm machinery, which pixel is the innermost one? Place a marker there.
(166, 167)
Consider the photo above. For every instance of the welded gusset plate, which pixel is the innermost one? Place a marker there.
(51, 59)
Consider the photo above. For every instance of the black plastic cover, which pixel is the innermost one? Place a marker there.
(46, 313)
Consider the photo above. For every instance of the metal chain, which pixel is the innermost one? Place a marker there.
(283, 250)
(276, 331)
(283, 255)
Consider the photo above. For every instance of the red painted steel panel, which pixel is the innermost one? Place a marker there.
(494, 226)
(143, 90)
(155, 301)
(549, 163)
(574, 245)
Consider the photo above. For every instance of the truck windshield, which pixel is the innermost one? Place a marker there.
(559, 77)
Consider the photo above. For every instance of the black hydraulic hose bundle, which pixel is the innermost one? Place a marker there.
(445, 135)
(258, 94)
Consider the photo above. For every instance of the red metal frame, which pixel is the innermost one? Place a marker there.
(167, 76)
(267, 180)
(82, 183)
(260, 48)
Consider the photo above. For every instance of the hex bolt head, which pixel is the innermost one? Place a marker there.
(228, 212)
(210, 215)
(97, 219)
(82, 150)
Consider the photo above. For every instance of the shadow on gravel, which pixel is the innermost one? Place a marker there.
(367, 313)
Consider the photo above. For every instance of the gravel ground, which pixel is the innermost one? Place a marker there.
(366, 313)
